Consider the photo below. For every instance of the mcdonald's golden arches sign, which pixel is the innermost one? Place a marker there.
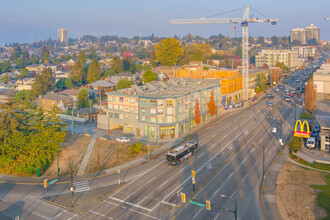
(302, 133)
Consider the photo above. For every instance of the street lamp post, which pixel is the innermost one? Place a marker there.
(263, 165)
(148, 140)
(58, 162)
(235, 200)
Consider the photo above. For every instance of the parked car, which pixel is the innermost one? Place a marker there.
(317, 128)
(315, 133)
(281, 86)
(276, 89)
(269, 104)
(291, 95)
(299, 102)
(311, 142)
(123, 139)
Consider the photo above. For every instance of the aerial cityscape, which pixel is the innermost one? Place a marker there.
(164, 110)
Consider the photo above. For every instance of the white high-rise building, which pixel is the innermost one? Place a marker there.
(63, 35)
(312, 32)
(298, 34)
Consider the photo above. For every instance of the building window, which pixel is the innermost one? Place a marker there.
(116, 116)
(160, 102)
(121, 116)
(132, 109)
(169, 111)
(126, 108)
(110, 114)
(160, 120)
(153, 102)
(143, 101)
(143, 109)
(169, 102)
(169, 119)
(132, 100)
(160, 111)
(110, 106)
(327, 147)
(143, 118)
(153, 120)
(153, 111)
(115, 107)
(121, 99)
(126, 99)
(121, 107)
(327, 138)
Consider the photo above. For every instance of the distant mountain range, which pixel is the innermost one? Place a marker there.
(24, 33)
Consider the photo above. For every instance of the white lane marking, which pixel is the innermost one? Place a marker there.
(253, 149)
(215, 135)
(110, 203)
(152, 179)
(213, 146)
(216, 192)
(4, 200)
(163, 184)
(168, 203)
(138, 206)
(72, 217)
(217, 216)
(200, 155)
(189, 178)
(179, 190)
(142, 200)
(40, 215)
(209, 166)
(225, 136)
(243, 161)
(59, 214)
(233, 193)
(116, 199)
(197, 213)
(99, 214)
(260, 140)
(245, 177)
(138, 178)
(230, 175)
(144, 214)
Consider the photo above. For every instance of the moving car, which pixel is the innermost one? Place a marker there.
(123, 139)
(269, 104)
(299, 102)
(288, 99)
(281, 86)
(291, 95)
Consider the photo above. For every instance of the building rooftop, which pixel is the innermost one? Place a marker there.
(159, 89)
(55, 96)
(102, 83)
(324, 121)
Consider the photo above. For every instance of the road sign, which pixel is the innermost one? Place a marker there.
(193, 174)
(45, 183)
(52, 182)
(197, 203)
(193, 180)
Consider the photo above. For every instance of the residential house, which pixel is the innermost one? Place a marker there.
(6, 95)
(52, 99)
(38, 68)
(24, 84)
(103, 86)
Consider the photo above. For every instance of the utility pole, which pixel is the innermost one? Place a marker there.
(295, 112)
(72, 188)
(72, 116)
(58, 161)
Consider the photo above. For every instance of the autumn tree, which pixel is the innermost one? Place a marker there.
(43, 82)
(197, 114)
(283, 67)
(94, 71)
(310, 95)
(83, 98)
(168, 51)
(211, 105)
(77, 73)
(149, 76)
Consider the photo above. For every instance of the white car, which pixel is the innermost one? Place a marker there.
(123, 139)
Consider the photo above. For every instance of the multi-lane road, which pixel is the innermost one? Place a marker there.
(229, 162)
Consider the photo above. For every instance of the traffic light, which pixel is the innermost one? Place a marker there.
(193, 173)
(45, 183)
(183, 197)
(208, 204)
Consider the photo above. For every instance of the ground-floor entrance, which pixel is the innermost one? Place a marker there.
(167, 131)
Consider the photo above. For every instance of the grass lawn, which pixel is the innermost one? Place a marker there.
(320, 166)
(323, 198)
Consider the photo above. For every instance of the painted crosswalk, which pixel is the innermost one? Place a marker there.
(81, 186)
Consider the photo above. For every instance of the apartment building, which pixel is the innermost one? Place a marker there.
(303, 35)
(271, 57)
(63, 35)
(158, 109)
(321, 80)
(305, 51)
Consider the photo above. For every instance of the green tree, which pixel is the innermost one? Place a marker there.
(81, 59)
(294, 144)
(16, 52)
(64, 83)
(124, 83)
(44, 54)
(149, 76)
(25, 73)
(117, 64)
(5, 78)
(94, 72)
(92, 53)
(77, 73)
(24, 98)
(10, 120)
(43, 83)
(109, 72)
(6, 67)
(168, 51)
(128, 65)
(83, 98)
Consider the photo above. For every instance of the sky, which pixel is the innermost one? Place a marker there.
(32, 20)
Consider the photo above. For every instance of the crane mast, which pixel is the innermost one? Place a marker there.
(245, 37)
